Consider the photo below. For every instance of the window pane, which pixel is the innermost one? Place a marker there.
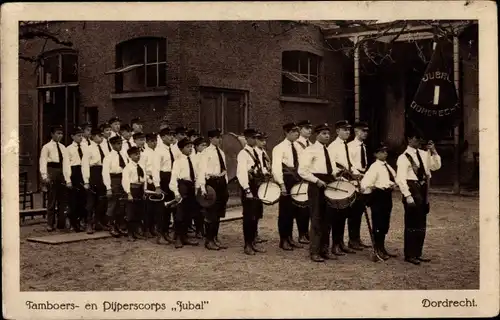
(132, 53)
(134, 80)
(290, 61)
(51, 70)
(289, 87)
(315, 64)
(303, 89)
(151, 76)
(314, 86)
(162, 47)
(303, 62)
(151, 51)
(162, 75)
(69, 68)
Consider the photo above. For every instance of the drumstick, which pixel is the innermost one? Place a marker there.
(338, 189)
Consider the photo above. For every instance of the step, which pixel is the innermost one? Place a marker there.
(61, 238)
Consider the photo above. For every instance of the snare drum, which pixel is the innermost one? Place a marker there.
(299, 194)
(269, 193)
(340, 194)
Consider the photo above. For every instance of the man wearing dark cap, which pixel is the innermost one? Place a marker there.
(317, 168)
(200, 144)
(163, 125)
(114, 122)
(55, 176)
(341, 159)
(284, 168)
(261, 142)
(112, 169)
(87, 129)
(213, 172)
(127, 140)
(302, 214)
(136, 125)
(106, 134)
(249, 172)
(379, 181)
(182, 185)
(360, 161)
(149, 162)
(413, 176)
(180, 133)
(193, 135)
(78, 194)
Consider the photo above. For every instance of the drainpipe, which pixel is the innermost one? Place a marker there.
(356, 78)
(456, 131)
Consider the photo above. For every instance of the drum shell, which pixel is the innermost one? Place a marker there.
(343, 203)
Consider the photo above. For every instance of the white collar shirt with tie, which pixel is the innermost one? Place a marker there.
(377, 176)
(355, 154)
(283, 155)
(74, 158)
(111, 165)
(180, 171)
(405, 170)
(339, 155)
(106, 147)
(91, 157)
(130, 176)
(302, 142)
(48, 154)
(209, 164)
(244, 163)
(260, 153)
(313, 161)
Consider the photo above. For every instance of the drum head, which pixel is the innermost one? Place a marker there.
(339, 190)
(299, 192)
(269, 193)
(209, 199)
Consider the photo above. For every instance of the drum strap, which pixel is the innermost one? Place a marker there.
(256, 161)
(301, 144)
(418, 172)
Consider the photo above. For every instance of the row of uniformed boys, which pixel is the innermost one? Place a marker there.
(107, 170)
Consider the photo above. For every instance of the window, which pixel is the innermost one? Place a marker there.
(300, 74)
(140, 65)
(59, 67)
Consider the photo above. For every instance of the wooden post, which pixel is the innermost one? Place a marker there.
(356, 78)
(456, 131)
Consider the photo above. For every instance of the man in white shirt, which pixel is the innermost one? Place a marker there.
(149, 162)
(285, 164)
(55, 177)
(249, 172)
(182, 185)
(360, 160)
(180, 133)
(140, 141)
(413, 176)
(133, 180)
(213, 172)
(115, 122)
(378, 183)
(92, 179)
(87, 129)
(200, 145)
(302, 217)
(317, 168)
(265, 162)
(126, 133)
(106, 134)
(112, 169)
(163, 125)
(341, 159)
(78, 195)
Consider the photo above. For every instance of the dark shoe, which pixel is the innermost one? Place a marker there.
(382, 255)
(328, 256)
(90, 230)
(198, 235)
(190, 242)
(258, 249)
(115, 233)
(423, 259)
(303, 240)
(346, 249)
(317, 258)
(249, 250)
(285, 245)
(50, 229)
(355, 246)
(219, 244)
(294, 244)
(413, 260)
(337, 251)
(167, 238)
(178, 243)
(211, 246)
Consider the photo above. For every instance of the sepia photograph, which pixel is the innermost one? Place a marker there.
(250, 154)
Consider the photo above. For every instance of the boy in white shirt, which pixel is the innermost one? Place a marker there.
(199, 145)
(133, 180)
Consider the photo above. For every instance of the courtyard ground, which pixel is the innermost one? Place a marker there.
(114, 264)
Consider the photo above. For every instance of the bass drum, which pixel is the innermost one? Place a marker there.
(232, 144)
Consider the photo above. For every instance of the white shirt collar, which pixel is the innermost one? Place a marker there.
(411, 150)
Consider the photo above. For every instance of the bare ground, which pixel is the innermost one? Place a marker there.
(115, 264)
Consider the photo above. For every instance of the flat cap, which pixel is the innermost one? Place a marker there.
(322, 127)
(214, 133)
(138, 135)
(342, 124)
(250, 133)
(183, 143)
(115, 139)
(381, 147)
(304, 123)
(133, 150)
(76, 130)
(166, 132)
(361, 125)
(287, 127)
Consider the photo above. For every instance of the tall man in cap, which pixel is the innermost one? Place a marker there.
(180, 133)
(149, 162)
(127, 140)
(163, 125)
(87, 130)
(213, 172)
(200, 144)
(55, 176)
(92, 179)
(114, 122)
(360, 161)
(136, 125)
(342, 160)
(316, 167)
(183, 186)
(302, 214)
(250, 173)
(106, 135)
(285, 164)
(192, 135)
(413, 176)
(112, 169)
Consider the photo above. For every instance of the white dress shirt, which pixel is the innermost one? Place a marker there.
(177, 152)
(111, 164)
(180, 171)
(312, 161)
(301, 143)
(245, 163)
(149, 162)
(209, 164)
(355, 154)
(260, 153)
(339, 155)
(378, 177)
(130, 176)
(49, 154)
(105, 146)
(282, 154)
(125, 144)
(91, 157)
(86, 141)
(73, 156)
(405, 170)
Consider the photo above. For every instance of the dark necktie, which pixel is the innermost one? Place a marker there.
(59, 153)
(122, 162)
(80, 152)
(191, 169)
(363, 156)
(329, 168)
(129, 144)
(221, 161)
(349, 164)
(421, 169)
(101, 152)
(171, 156)
(140, 173)
(109, 145)
(307, 143)
(295, 157)
(256, 158)
(391, 176)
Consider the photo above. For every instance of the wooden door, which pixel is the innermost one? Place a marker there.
(222, 109)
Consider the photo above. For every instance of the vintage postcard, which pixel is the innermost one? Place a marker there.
(250, 160)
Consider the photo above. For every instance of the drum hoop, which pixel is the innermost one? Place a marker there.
(265, 201)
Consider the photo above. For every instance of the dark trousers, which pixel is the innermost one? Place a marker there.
(185, 209)
(213, 214)
(381, 207)
(320, 220)
(97, 202)
(252, 211)
(415, 220)
(116, 203)
(56, 197)
(354, 218)
(78, 197)
(338, 222)
(287, 210)
(135, 207)
(302, 218)
(152, 212)
(165, 216)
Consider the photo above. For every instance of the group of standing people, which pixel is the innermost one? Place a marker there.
(109, 172)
